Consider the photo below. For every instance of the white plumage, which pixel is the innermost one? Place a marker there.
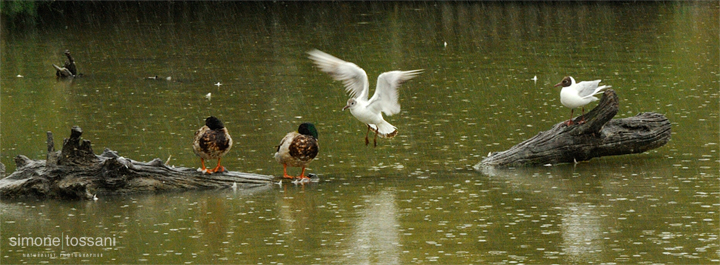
(385, 99)
(576, 95)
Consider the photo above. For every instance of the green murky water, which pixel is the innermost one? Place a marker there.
(413, 199)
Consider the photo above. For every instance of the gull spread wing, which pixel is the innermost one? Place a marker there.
(385, 98)
(354, 78)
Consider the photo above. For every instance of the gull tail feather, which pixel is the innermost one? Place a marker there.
(597, 91)
(600, 89)
(384, 129)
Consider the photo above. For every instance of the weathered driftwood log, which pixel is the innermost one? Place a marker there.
(77, 173)
(68, 70)
(598, 136)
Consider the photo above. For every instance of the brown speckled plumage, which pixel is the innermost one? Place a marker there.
(298, 149)
(212, 141)
(212, 144)
(303, 149)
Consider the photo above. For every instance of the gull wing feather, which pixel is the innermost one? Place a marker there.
(354, 78)
(385, 98)
(589, 88)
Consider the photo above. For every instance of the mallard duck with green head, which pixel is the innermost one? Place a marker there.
(212, 141)
(298, 149)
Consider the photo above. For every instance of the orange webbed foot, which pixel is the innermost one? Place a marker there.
(220, 169)
(202, 168)
(302, 175)
(285, 174)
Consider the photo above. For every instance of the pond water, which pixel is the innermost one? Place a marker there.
(412, 199)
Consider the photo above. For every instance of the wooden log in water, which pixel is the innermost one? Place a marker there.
(600, 135)
(69, 69)
(76, 172)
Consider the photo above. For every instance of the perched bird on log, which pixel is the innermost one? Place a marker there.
(69, 69)
(212, 141)
(574, 95)
(356, 83)
(298, 149)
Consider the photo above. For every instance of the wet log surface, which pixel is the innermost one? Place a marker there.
(76, 172)
(600, 135)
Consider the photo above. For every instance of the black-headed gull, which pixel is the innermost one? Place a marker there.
(357, 85)
(574, 95)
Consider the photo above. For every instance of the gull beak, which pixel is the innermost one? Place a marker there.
(558, 84)
(346, 107)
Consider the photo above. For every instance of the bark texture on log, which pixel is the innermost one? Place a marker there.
(77, 173)
(598, 136)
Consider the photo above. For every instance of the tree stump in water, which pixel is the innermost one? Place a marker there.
(68, 70)
(598, 136)
(77, 173)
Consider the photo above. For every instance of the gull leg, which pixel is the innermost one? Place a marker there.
(582, 118)
(375, 140)
(366, 136)
(570, 121)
